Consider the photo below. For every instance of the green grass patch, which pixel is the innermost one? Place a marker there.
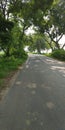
(8, 65)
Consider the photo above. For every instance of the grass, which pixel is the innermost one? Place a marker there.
(7, 66)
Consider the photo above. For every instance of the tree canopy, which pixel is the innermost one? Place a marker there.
(16, 16)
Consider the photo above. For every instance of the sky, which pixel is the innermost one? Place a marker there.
(62, 41)
(30, 31)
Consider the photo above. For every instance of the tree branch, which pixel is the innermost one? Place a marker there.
(63, 46)
(60, 38)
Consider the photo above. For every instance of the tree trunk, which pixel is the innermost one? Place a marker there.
(38, 48)
(57, 45)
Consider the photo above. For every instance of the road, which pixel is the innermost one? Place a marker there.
(36, 101)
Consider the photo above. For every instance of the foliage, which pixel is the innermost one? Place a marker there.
(59, 54)
(56, 24)
(25, 13)
(5, 35)
(37, 42)
(17, 16)
(58, 15)
(19, 53)
(9, 65)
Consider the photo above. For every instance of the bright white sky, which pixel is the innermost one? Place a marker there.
(62, 41)
(30, 31)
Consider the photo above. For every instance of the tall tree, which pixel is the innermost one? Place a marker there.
(5, 27)
(56, 23)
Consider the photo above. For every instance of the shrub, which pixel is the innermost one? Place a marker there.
(20, 54)
(59, 54)
(9, 65)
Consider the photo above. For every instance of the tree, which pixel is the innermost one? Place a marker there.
(5, 35)
(56, 24)
(21, 16)
(5, 27)
(37, 42)
(25, 13)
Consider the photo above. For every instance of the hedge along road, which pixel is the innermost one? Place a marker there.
(36, 101)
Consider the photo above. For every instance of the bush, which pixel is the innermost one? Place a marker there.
(59, 54)
(20, 54)
(9, 65)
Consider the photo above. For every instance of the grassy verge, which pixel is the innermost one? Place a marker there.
(8, 67)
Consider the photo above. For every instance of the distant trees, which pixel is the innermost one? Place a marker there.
(37, 43)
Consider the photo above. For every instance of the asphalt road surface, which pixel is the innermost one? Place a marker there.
(36, 101)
